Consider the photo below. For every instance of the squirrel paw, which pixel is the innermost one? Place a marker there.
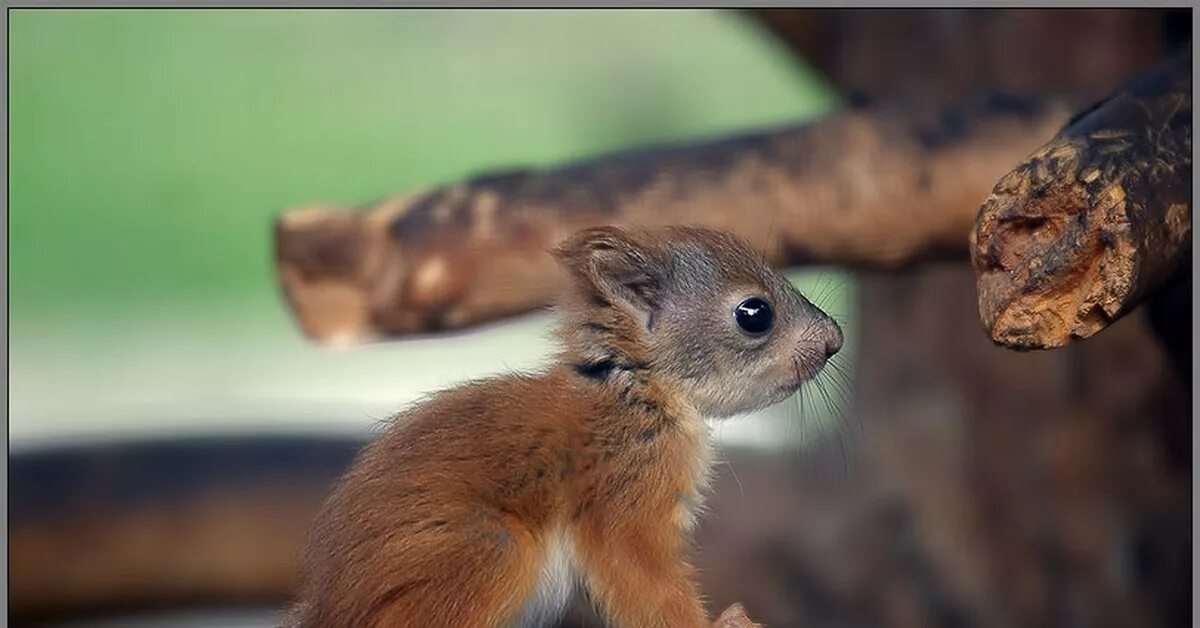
(735, 617)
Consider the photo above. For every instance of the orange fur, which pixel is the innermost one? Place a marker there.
(459, 513)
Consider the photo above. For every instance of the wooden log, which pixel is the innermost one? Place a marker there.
(868, 188)
(125, 526)
(105, 529)
(1094, 221)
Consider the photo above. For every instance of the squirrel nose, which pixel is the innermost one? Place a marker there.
(833, 340)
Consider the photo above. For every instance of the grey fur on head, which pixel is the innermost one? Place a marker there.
(664, 300)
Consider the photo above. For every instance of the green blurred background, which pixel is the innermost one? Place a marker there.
(149, 151)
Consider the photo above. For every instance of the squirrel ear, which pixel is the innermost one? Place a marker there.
(616, 268)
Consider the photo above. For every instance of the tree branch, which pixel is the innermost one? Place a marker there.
(869, 188)
(1094, 221)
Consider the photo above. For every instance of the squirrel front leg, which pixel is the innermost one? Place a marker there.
(638, 578)
(651, 589)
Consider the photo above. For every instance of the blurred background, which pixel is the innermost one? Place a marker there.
(151, 151)
(172, 429)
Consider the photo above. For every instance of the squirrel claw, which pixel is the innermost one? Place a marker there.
(735, 617)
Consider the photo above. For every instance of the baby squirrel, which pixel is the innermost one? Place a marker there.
(499, 502)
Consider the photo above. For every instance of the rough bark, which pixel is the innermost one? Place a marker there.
(867, 188)
(1080, 232)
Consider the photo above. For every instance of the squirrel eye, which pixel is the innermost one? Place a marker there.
(754, 316)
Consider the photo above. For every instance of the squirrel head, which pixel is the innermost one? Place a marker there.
(693, 306)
